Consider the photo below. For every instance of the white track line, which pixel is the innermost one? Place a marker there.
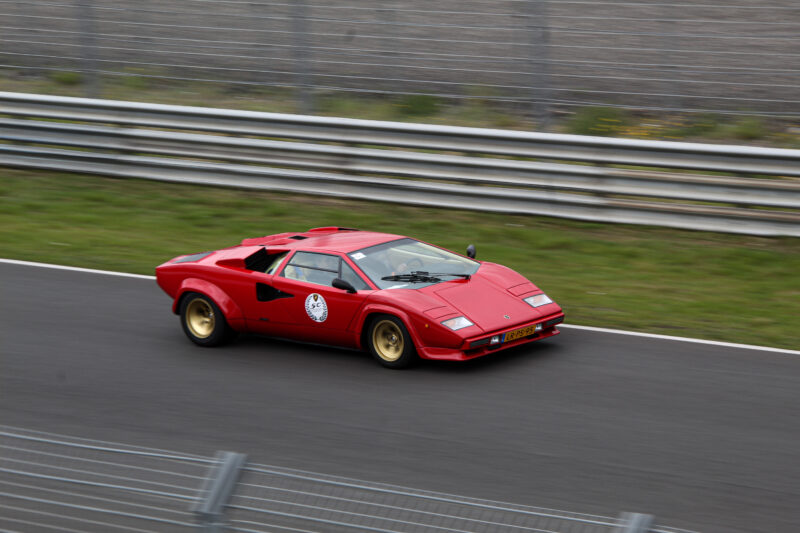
(75, 269)
(572, 326)
(682, 339)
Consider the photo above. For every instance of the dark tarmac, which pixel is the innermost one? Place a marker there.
(704, 437)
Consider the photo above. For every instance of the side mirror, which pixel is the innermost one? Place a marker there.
(339, 283)
(471, 251)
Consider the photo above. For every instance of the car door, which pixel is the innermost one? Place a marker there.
(260, 302)
(317, 311)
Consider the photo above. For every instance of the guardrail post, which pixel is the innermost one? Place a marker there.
(88, 40)
(539, 60)
(302, 51)
(217, 490)
(635, 523)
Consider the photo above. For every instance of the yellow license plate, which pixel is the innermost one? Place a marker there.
(519, 333)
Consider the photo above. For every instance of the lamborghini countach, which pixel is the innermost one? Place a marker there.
(396, 297)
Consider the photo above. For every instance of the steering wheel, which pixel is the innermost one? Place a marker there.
(413, 264)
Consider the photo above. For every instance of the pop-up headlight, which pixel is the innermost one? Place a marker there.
(538, 300)
(457, 323)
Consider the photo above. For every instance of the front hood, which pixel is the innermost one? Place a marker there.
(486, 304)
(491, 294)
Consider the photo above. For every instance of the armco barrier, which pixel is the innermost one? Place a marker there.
(686, 185)
(57, 483)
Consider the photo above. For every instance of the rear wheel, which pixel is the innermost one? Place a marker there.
(390, 343)
(203, 322)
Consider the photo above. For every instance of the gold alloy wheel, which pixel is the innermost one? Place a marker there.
(387, 338)
(200, 318)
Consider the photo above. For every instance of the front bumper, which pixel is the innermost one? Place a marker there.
(481, 345)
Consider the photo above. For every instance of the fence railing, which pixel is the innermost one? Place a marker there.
(54, 483)
(738, 189)
(57, 483)
(533, 57)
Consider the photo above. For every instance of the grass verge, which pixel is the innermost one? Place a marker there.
(707, 285)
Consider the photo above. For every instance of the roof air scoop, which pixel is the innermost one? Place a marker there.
(330, 229)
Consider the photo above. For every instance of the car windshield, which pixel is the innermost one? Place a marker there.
(411, 264)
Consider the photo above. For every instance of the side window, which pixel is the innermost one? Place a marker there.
(276, 261)
(350, 276)
(320, 269)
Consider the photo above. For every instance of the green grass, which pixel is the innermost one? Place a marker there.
(715, 286)
(717, 127)
(597, 120)
(66, 78)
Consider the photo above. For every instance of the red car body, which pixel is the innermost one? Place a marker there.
(272, 304)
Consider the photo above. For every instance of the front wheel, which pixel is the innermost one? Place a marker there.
(203, 322)
(390, 343)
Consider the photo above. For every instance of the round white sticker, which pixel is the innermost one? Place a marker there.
(316, 307)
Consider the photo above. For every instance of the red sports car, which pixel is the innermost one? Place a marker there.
(397, 297)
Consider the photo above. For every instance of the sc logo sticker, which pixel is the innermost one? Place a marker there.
(316, 307)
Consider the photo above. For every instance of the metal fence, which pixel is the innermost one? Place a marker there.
(55, 483)
(58, 483)
(725, 56)
(586, 178)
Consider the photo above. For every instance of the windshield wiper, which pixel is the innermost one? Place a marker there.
(422, 276)
(418, 276)
(465, 276)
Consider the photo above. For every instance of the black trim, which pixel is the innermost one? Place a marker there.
(554, 321)
(193, 257)
(314, 268)
(258, 261)
(267, 293)
(480, 342)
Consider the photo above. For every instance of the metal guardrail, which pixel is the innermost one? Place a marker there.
(53, 482)
(587, 178)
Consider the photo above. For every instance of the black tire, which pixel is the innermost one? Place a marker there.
(203, 322)
(389, 342)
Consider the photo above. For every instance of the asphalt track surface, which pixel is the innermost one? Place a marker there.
(704, 437)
